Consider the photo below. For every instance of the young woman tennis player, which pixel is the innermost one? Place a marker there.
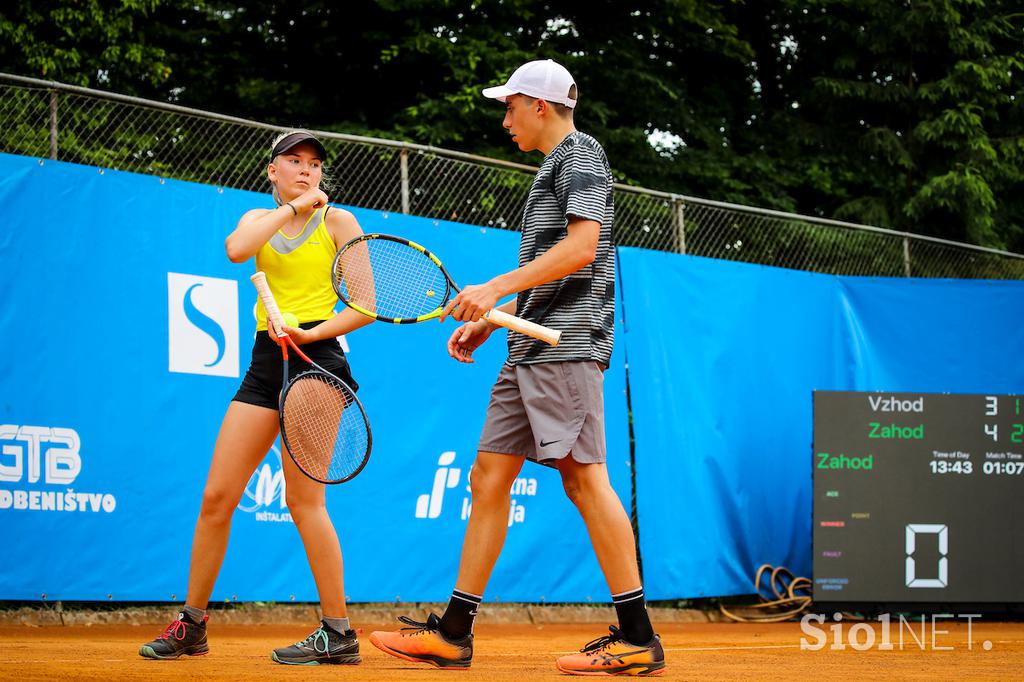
(294, 244)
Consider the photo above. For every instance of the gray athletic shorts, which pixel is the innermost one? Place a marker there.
(547, 410)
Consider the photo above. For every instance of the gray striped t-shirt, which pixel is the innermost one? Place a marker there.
(573, 182)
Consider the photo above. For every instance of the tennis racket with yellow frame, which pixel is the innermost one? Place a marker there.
(392, 279)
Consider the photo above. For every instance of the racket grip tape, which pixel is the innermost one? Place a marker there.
(269, 304)
(503, 319)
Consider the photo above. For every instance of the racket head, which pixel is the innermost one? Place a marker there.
(324, 427)
(391, 279)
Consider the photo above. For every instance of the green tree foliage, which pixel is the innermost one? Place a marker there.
(895, 113)
(907, 114)
(84, 42)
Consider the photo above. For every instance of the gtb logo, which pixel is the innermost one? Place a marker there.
(34, 452)
(202, 315)
(41, 456)
(428, 506)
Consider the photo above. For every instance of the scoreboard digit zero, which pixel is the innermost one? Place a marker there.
(918, 497)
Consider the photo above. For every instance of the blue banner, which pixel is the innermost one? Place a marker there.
(128, 330)
(723, 358)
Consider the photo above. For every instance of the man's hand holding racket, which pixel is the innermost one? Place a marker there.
(473, 302)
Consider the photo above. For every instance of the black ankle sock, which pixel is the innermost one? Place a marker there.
(634, 622)
(457, 621)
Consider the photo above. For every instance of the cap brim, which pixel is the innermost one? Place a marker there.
(499, 92)
(302, 139)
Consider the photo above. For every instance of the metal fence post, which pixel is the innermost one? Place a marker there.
(404, 163)
(680, 220)
(53, 124)
(906, 257)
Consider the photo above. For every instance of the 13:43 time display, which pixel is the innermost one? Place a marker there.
(958, 467)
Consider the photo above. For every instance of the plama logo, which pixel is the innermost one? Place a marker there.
(266, 487)
(202, 316)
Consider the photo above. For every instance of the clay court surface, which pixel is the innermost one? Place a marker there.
(698, 651)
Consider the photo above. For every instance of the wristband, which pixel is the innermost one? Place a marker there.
(289, 205)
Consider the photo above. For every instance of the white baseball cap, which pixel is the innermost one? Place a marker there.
(544, 79)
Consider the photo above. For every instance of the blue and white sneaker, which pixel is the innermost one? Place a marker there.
(324, 646)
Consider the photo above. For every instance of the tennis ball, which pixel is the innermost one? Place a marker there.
(290, 320)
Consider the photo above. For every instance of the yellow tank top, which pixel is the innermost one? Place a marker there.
(298, 271)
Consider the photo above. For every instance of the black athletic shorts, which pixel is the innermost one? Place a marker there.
(262, 383)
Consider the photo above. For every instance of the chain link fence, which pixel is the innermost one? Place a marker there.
(67, 123)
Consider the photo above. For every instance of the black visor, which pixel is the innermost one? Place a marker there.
(289, 142)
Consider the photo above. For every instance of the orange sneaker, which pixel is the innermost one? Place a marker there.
(425, 643)
(613, 655)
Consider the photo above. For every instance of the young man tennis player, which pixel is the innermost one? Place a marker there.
(547, 404)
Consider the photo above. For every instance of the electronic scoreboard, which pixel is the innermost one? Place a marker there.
(918, 497)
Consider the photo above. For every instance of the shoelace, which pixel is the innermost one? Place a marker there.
(598, 646)
(417, 628)
(178, 628)
(316, 637)
(615, 635)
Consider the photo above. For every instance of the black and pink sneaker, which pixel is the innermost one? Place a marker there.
(183, 637)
